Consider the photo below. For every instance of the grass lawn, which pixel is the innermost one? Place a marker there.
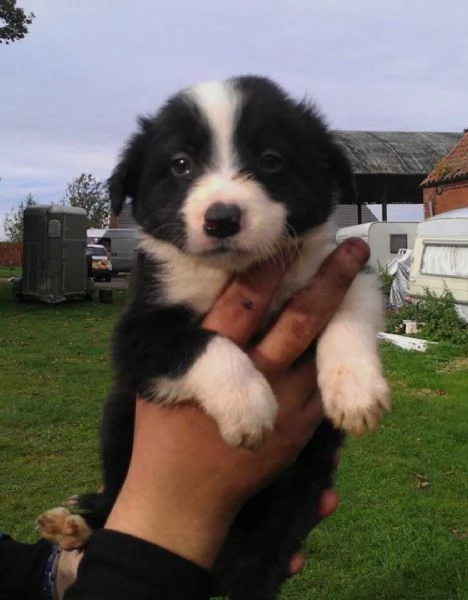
(401, 531)
(9, 271)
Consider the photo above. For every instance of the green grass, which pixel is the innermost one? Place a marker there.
(391, 539)
(54, 377)
(9, 271)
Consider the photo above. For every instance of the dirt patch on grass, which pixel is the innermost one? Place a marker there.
(457, 364)
(422, 392)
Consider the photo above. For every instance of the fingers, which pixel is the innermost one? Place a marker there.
(300, 413)
(296, 564)
(328, 503)
(239, 310)
(307, 313)
(295, 389)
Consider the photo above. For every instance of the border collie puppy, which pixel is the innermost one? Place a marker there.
(225, 175)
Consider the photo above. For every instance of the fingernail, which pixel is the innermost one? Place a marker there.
(359, 249)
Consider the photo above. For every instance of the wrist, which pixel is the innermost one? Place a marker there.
(192, 531)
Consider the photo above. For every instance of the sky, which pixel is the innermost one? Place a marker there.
(72, 89)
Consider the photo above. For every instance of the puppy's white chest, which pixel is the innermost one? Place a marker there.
(188, 282)
(193, 287)
(300, 272)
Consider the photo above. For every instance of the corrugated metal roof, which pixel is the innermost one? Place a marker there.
(453, 166)
(395, 152)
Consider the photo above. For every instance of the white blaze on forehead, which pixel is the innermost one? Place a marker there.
(220, 102)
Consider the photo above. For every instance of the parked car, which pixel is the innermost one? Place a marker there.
(121, 245)
(101, 267)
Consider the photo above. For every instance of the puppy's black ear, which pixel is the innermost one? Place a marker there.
(342, 174)
(123, 183)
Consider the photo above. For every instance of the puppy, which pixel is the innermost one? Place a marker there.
(225, 175)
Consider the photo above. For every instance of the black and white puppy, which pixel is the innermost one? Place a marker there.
(225, 175)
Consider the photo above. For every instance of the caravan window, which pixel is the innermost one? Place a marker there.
(450, 261)
(398, 241)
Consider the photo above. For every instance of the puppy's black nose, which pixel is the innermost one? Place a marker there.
(222, 220)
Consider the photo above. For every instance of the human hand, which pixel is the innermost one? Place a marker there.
(185, 485)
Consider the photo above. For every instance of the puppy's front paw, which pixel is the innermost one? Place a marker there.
(224, 381)
(354, 394)
(60, 526)
(247, 413)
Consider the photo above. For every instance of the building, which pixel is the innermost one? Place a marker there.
(124, 220)
(446, 186)
(388, 165)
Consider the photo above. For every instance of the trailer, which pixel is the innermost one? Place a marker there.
(440, 257)
(54, 255)
(385, 239)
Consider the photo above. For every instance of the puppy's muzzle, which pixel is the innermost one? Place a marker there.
(222, 220)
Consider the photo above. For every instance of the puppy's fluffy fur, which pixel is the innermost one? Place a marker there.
(227, 174)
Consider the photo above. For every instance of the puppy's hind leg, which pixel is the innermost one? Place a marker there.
(60, 526)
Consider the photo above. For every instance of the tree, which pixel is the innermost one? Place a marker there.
(13, 221)
(91, 194)
(14, 22)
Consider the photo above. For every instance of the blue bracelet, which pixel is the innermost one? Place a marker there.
(50, 573)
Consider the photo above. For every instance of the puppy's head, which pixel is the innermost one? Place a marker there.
(230, 171)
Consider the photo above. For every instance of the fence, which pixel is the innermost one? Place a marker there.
(11, 254)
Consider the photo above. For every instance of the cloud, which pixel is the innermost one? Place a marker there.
(75, 84)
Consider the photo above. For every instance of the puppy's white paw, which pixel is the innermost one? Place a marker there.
(224, 381)
(248, 412)
(60, 526)
(354, 394)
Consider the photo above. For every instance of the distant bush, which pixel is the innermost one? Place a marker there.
(437, 317)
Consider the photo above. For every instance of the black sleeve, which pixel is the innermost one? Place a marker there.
(117, 566)
(22, 569)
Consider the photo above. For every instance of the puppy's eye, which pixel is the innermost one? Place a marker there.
(271, 161)
(181, 165)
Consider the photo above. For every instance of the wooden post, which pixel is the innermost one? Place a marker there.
(384, 203)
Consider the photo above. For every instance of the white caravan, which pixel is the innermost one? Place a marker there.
(385, 239)
(440, 256)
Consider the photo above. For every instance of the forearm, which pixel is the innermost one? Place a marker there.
(184, 519)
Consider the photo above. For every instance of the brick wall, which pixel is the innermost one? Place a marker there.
(449, 196)
(11, 254)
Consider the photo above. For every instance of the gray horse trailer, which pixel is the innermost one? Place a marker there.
(54, 255)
